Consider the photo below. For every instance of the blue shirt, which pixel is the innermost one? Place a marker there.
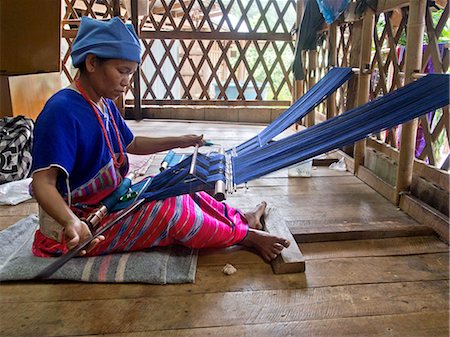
(68, 135)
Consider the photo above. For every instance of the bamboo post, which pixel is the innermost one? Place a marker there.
(298, 84)
(332, 62)
(413, 62)
(312, 70)
(137, 111)
(364, 78)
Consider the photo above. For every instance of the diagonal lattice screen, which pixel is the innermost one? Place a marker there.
(204, 51)
(388, 63)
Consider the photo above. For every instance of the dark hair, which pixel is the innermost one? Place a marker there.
(82, 65)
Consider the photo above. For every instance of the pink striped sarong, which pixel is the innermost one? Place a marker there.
(196, 221)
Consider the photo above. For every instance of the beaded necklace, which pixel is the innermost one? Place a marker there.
(117, 162)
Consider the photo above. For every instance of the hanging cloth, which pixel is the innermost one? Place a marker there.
(331, 9)
(307, 36)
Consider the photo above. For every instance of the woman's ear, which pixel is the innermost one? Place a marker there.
(90, 63)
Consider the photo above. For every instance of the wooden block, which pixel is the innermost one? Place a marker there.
(30, 43)
(291, 259)
(29, 93)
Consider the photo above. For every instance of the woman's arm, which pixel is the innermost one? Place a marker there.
(48, 197)
(147, 145)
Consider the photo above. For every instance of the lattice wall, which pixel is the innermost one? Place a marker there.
(387, 68)
(206, 51)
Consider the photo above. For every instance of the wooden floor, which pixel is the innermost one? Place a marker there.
(370, 271)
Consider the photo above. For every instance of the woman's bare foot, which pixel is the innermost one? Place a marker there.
(254, 217)
(267, 245)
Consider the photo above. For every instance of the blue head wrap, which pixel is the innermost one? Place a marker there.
(106, 39)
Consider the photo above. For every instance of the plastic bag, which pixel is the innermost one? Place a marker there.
(331, 9)
(339, 165)
(15, 192)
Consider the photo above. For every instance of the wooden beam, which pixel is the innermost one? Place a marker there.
(219, 102)
(389, 5)
(425, 214)
(223, 36)
(291, 259)
(377, 184)
(440, 178)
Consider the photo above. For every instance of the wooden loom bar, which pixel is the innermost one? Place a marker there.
(389, 5)
(413, 63)
(364, 77)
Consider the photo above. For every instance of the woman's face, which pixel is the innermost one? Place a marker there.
(109, 78)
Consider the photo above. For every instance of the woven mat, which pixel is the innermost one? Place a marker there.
(175, 264)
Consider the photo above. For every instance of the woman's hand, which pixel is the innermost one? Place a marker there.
(77, 232)
(191, 140)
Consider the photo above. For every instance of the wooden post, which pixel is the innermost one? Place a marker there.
(137, 111)
(312, 72)
(298, 84)
(116, 7)
(413, 62)
(332, 59)
(364, 77)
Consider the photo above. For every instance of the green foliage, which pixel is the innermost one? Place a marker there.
(444, 37)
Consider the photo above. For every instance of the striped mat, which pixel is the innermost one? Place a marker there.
(165, 265)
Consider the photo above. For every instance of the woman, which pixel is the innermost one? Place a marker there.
(79, 158)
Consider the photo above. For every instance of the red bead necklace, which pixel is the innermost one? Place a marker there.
(117, 162)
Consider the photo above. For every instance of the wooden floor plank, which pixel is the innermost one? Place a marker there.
(251, 277)
(371, 287)
(221, 309)
(412, 325)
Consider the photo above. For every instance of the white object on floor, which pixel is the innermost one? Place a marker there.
(15, 192)
(229, 269)
(339, 166)
(302, 169)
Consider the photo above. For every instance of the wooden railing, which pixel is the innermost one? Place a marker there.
(375, 45)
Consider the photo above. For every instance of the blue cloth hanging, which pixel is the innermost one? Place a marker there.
(331, 9)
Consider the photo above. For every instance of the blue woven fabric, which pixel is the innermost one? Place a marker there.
(417, 98)
(413, 100)
(311, 99)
